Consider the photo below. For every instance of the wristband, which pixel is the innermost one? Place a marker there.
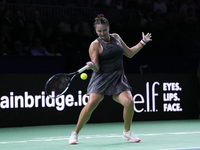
(93, 63)
(143, 42)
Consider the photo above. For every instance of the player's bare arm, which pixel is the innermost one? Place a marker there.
(94, 51)
(130, 52)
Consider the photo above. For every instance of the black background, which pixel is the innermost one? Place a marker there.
(107, 111)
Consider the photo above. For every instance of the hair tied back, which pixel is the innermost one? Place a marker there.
(99, 15)
(101, 19)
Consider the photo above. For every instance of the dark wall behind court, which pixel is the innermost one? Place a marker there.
(157, 97)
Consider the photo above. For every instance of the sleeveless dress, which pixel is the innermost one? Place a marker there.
(110, 79)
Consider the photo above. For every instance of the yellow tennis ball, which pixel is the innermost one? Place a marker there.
(83, 76)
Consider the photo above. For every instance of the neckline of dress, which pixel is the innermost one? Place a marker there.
(107, 42)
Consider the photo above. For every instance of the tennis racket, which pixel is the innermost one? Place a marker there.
(59, 83)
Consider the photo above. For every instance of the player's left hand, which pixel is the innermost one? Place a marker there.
(146, 37)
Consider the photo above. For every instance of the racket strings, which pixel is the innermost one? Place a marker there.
(58, 84)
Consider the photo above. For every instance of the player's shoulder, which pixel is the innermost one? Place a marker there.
(115, 35)
(95, 44)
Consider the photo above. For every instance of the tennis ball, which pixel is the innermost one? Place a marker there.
(83, 76)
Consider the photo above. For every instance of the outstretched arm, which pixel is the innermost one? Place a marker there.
(130, 52)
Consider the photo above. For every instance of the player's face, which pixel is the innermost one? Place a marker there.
(102, 31)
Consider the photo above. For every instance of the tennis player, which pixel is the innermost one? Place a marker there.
(108, 78)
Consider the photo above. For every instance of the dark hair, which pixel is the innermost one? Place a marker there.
(100, 19)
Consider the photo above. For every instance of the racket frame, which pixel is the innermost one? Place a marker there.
(67, 74)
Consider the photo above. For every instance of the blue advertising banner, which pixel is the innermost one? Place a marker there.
(156, 97)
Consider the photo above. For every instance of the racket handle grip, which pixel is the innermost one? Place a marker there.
(82, 69)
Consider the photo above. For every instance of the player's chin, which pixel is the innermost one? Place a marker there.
(103, 38)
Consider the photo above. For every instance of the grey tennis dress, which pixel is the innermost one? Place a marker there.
(110, 79)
